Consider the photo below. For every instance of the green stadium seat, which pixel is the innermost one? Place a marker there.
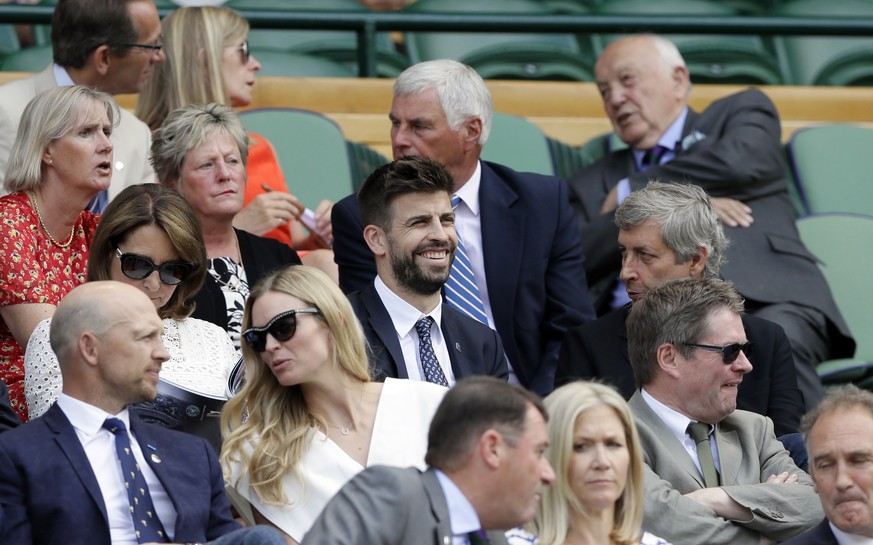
(518, 144)
(29, 59)
(284, 63)
(364, 161)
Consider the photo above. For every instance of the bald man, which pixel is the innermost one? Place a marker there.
(75, 465)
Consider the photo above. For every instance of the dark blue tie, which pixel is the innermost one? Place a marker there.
(145, 520)
(653, 157)
(429, 364)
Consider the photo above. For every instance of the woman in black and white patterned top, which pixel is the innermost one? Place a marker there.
(201, 152)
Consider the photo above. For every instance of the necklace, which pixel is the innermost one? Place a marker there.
(343, 429)
(32, 196)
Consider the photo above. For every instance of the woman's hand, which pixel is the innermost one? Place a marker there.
(268, 211)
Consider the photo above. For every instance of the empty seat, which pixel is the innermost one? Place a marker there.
(284, 63)
(518, 144)
(29, 59)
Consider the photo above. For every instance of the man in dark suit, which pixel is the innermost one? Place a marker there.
(669, 231)
(721, 469)
(839, 435)
(733, 151)
(487, 469)
(61, 476)
(525, 255)
(8, 418)
(410, 228)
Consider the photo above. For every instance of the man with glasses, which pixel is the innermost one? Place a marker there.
(713, 474)
(669, 231)
(108, 45)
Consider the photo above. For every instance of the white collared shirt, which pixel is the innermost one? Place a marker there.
(678, 424)
(99, 445)
(462, 516)
(404, 316)
(844, 538)
(62, 77)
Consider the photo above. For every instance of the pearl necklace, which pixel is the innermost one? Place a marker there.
(32, 196)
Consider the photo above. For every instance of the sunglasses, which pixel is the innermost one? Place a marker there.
(729, 353)
(244, 52)
(282, 327)
(138, 267)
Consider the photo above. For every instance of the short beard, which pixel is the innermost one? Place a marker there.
(410, 276)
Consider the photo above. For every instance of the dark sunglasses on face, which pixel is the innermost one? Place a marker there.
(282, 327)
(729, 353)
(138, 267)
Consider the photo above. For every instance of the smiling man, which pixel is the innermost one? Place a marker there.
(108, 45)
(839, 436)
(410, 228)
(721, 468)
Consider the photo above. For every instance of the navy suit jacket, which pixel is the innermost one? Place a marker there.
(598, 350)
(736, 152)
(474, 348)
(51, 496)
(533, 259)
(817, 535)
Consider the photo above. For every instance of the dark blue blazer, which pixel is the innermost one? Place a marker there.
(51, 496)
(817, 535)
(534, 265)
(598, 350)
(474, 348)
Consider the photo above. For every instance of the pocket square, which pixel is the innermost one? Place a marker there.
(691, 139)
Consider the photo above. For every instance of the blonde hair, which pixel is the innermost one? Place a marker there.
(565, 405)
(265, 426)
(193, 37)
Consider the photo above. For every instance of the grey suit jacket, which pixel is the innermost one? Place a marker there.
(131, 138)
(388, 506)
(749, 453)
(820, 535)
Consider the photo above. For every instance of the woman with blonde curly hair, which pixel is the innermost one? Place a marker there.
(597, 498)
(308, 417)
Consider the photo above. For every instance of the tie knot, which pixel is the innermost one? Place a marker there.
(422, 326)
(114, 425)
(699, 431)
(455, 201)
(653, 156)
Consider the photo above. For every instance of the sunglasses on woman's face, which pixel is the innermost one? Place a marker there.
(138, 267)
(282, 327)
(244, 52)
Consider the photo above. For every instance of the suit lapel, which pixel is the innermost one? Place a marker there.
(68, 441)
(154, 455)
(383, 327)
(730, 454)
(439, 508)
(453, 337)
(622, 333)
(502, 226)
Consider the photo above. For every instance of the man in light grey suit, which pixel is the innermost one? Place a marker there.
(111, 46)
(734, 483)
(486, 447)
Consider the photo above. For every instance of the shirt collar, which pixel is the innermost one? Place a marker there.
(469, 192)
(676, 421)
(671, 137)
(87, 418)
(62, 77)
(844, 538)
(403, 315)
(462, 515)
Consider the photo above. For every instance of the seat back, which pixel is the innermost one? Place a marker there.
(311, 150)
(842, 242)
(288, 64)
(518, 144)
(831, 167)
(29, 59)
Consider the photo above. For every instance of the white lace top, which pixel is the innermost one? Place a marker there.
(201, 359)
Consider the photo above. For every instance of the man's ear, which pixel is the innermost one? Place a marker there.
(89, 348)
(698, 262)
(472, 128)
(667, 355)
(102, 59)
(681, 81)
(491, 448)
(376, 239)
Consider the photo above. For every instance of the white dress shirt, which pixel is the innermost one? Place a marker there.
(99, 445)
(404, 316)
(844, 538)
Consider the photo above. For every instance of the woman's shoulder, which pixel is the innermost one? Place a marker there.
(649, 539)
(418, 389)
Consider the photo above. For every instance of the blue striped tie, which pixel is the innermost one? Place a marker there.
(462, 293)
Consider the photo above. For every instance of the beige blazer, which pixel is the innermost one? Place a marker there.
(131, 139)
(749, 453)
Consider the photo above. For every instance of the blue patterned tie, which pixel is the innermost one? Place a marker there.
(145, 521)
(461, 290)
(653, 157)
(429, 364)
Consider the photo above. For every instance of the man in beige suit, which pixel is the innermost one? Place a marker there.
(111, 46)
(714, 474)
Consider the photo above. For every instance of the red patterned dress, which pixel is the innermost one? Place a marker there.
(34, 270)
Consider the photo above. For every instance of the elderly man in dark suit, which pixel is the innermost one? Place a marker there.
(669, 231)
(487, 469)
(839, 436)
(526, 268)
(410, 228)
(89, 472)
(714, 474)
(733, 151)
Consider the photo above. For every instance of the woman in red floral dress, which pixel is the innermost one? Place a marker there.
(61, 159)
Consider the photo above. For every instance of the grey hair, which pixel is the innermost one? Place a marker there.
(687, 219)
(187, 128)
(676, 312)
(461, 90)
(46, 118)
(836, 399)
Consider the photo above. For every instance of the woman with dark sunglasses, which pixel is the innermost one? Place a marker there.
(208, 60)
(149, 238)
(61, 159)
(308, 418)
